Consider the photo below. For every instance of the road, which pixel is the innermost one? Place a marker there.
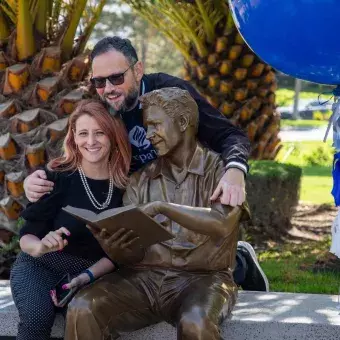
(305, 135)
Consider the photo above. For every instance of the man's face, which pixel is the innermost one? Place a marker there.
(163, 132)
(124, 97)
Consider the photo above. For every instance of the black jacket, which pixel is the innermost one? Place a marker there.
(215, 130)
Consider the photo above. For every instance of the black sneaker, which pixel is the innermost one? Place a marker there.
(256, 279)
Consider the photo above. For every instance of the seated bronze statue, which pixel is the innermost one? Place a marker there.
(188, 280)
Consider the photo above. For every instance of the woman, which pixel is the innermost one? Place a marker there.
(90, 175)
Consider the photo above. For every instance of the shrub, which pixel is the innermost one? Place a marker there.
(318, 115)
(322, 155)
(272, 193)
(327, 115)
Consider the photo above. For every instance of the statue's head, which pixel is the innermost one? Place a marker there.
(170, 116)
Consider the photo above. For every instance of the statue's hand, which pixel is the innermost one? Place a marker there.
(231, 188)
(119, 246)
(152, 209)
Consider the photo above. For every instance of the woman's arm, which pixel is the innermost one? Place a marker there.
(53, 241)
(100, 268)
(30, 244)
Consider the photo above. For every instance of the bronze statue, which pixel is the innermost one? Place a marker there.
(186, 281)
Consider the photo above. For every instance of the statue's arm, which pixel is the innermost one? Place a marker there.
(217, 221)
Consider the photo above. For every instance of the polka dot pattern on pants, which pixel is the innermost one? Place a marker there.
(31, 281)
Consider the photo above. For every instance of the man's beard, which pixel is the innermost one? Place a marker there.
(127, 104)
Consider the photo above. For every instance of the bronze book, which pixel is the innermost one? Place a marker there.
(130, 218)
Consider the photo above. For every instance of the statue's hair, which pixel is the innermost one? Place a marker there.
(175, 102)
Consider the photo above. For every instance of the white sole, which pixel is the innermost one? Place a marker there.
(253, 255)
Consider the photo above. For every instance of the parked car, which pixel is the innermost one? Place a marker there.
(317, 105)
(286, 112)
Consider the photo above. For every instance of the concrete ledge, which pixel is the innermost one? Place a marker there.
(257, 316)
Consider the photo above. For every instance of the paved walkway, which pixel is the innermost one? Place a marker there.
(305, 135)
(257, 316)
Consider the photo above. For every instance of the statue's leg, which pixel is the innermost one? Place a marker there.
(113, 304)
(205, 302)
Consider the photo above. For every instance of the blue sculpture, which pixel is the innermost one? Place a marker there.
(298, 37)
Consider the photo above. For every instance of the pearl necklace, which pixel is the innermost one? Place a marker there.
(90, 195)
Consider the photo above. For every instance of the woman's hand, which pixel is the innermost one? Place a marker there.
(76, 283)
(53, 241)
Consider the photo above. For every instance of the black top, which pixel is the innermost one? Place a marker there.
(46, 214)
(215, 130)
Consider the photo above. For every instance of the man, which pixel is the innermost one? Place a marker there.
(119, 79)
(186, 281)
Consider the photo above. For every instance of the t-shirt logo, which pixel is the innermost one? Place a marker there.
(137, 138)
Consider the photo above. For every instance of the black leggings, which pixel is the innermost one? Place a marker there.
(31, 281)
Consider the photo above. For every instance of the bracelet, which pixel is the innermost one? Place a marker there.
(90, 274)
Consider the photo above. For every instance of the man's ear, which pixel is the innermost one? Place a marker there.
(139, 70)
(183, 123)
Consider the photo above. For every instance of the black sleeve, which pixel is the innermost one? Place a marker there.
(214, 130)
(39, 216)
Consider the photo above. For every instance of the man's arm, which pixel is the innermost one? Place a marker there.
(214, 128)
(217, 222)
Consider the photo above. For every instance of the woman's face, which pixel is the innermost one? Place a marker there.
(91, 140)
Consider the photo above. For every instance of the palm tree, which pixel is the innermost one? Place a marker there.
(43, 65)
(220, 65)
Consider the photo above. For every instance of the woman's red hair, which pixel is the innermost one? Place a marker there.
(114, 129)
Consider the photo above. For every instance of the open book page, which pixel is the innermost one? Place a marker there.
(131, 217)
(82, 214)
(115, 211)
(88, 215)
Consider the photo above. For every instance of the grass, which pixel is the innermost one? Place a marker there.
(289, 268)
(317, 182)
(303, 123)
(315, 189)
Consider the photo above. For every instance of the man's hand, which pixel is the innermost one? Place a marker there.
(36, 185)
(231, 188)
(119, 245)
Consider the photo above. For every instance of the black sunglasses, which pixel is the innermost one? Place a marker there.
(114, 79)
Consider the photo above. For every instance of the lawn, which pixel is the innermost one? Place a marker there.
(316, 183)
(289, 268)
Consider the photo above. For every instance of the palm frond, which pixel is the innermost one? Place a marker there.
(195, 23)
(4, 29)
(173, 19)
(12, 4)
(75, 14)
(25, 42)
(40, 17)
(89, 20)
(9, 9)
(156, 19)
(208, 24)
